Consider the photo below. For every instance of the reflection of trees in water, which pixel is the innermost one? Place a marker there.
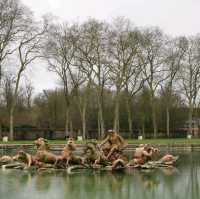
(169, 179)
(183, 183)
(12, 183)
(193, 177)
(149, 180)
(94, 185)
(153, 184)
(149, 183)
(43, 181)
(194, 184)
(144, 184)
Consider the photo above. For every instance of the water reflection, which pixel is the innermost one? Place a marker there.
(181, 183)
(43, 181)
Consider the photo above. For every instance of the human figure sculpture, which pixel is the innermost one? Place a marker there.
(142, 155)
(26, 158)
(94, 155)
(115, 143)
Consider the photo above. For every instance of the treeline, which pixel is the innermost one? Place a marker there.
(112, 75)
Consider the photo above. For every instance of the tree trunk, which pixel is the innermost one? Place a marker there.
(130, 125)
(116, 118)
(143, 129)
(154, 117)
(13, 104)
(0, 91)
(83, 112)
(84, 121)
(55, 111)
(167, 121)
(99, 126)
(66, 122)
(82, 103)
(101, 123)
(130, 118)
(0, 130)
(154, 122)
(190, 117)
(11, 124)
(168, 105)
(116, 113)
(100, 116)
(0, 72)
(71, 129)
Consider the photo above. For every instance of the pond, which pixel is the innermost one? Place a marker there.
(182, 182)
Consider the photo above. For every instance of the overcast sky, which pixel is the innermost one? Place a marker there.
(174, 17)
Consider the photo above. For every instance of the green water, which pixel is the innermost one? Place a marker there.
(182, 182)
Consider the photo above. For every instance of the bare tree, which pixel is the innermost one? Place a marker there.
(29, 89)
(174, 53)
(123, 44)
(60, 53)
(11, 12)
(8, 83)
(133, 85)
(11, 16)
(93, 61)
(82, 94)
(151, 58)
(189, 74)
(84, 66)
(28, 49)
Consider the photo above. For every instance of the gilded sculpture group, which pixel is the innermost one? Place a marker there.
(107, 154)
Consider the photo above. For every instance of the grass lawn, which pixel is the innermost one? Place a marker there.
(131, 141)
(165, 141)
